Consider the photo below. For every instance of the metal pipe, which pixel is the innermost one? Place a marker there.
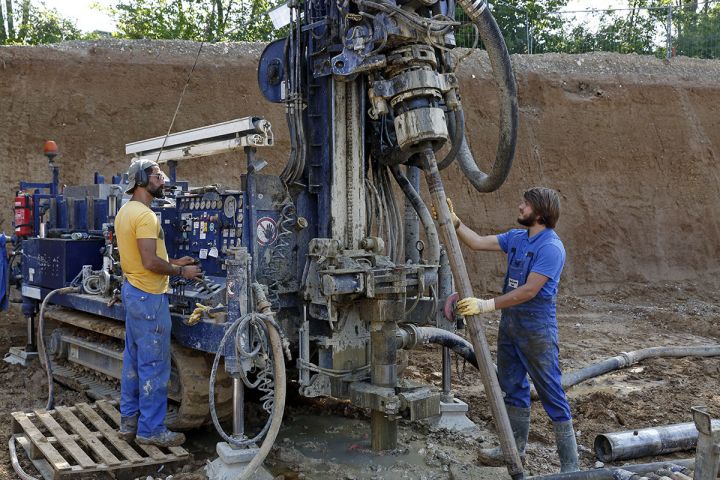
(446, 374)
(626, 359)
(684, 465)
(415, 200)
(411, 229)
(238, 407)
(383, 372)
(475, 327)
(645, 442)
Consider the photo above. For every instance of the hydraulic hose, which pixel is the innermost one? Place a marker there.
(626, 359)
(409, 336)
(456, 124)
(492, 38)
(423, 213)
(42, 351)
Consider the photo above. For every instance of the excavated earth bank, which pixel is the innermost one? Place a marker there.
(631, 143)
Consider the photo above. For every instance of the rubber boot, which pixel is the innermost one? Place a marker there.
(128, 427)
(566, 446)
(167, 438)
(520, 423)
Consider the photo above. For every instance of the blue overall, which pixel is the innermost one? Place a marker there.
(146, 360)
(528, 339)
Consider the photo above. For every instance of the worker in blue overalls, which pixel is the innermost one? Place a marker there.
(527, 341)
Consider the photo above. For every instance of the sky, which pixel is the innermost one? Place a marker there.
(89, 19)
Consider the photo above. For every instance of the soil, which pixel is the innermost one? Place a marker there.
(631, 143)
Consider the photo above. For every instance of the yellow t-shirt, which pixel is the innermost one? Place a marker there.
(135, 220)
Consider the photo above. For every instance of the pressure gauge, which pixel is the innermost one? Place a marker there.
(230, 207)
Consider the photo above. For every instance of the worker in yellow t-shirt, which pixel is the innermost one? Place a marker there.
(146, 266)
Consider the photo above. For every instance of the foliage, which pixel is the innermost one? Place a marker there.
(194, 19)
(517, 20)
(26, 22)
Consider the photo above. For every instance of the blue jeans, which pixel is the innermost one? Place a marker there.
(146, 359)
(528, 345)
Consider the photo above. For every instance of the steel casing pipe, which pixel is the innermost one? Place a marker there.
(645, 442)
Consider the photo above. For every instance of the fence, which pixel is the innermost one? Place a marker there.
(692, 30)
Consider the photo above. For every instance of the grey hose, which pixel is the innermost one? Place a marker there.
(15, 464)
(492, 38)
(626, 359)
(42, 351)
(423, 213)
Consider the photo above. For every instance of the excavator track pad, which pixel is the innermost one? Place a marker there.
(69, 442)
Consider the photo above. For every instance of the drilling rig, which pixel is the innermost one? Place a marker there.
(321, 264)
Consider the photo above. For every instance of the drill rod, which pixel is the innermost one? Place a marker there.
(475, 327)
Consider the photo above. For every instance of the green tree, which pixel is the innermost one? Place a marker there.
(520, 21)
(194, 19)
(697, 29)
(30, 23)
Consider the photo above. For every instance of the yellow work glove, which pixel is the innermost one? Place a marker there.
(474, 306)
(455, 219)
(197, 314)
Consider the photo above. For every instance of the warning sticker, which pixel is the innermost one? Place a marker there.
(266, 231)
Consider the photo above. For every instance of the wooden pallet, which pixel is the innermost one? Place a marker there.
(72, 441)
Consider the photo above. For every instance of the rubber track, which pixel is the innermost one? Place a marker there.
(192, 367)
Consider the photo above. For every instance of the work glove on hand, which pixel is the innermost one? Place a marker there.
(474, 306)
(455, 219)
(197, 314)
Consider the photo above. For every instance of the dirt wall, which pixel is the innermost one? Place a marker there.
(631, 143)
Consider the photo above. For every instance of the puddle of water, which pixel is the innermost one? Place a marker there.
(336, 444)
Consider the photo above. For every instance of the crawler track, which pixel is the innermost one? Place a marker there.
(189, 401)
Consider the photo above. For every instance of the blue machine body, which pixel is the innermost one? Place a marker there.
(78, 225)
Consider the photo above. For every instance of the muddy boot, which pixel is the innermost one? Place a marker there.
(167, 438)
(566, 446)
(128, 427)
(520, 424)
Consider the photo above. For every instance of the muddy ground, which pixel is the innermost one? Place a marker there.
(631, 143)
(324, 439)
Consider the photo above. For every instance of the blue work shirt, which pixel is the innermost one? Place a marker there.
(543, 253)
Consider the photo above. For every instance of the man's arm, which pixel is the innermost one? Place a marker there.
(528, 291)
(487, 243)
(155, 264)
(522, 294)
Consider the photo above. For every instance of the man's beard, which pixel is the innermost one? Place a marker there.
(527, 221)
(159, 192)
